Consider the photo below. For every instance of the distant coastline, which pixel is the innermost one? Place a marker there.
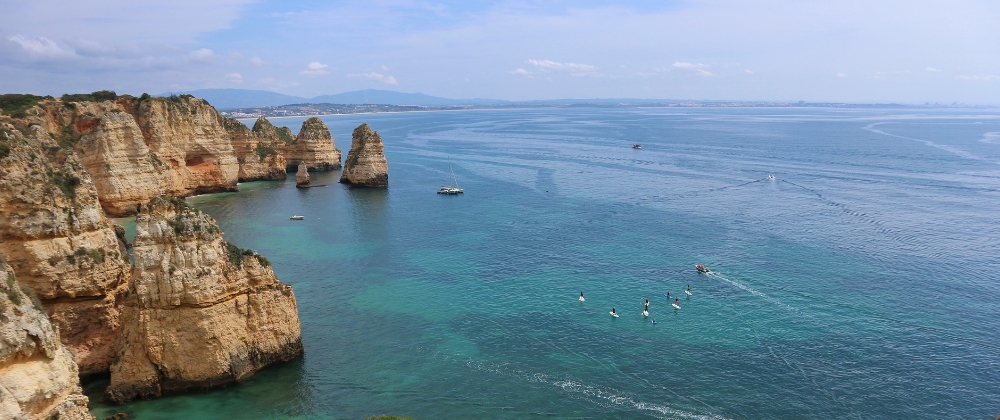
(328, 109)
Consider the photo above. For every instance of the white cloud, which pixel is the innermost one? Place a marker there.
(257, 61)
(315, 68)
(379, 77)
(697, 68)
(202, 54)
(41, 47)
(980, 77)
(234, 78)
(384, 68)
(932, 70)
(748, 71)
(521, 72)
(549, 65)
(841, 75)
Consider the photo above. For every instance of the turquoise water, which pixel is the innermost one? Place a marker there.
(862, 282)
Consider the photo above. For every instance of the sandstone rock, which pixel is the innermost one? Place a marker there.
(202, 313)
(314, 146)
(54, 234)
(259, 157)
(38, 378)
(302, 176)
(365, 165)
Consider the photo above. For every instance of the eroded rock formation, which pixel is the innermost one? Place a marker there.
(314, 146)
(365, 165)
(55, 236)
(202, 312)
(38, 378)
(259, 157)
(302, 176)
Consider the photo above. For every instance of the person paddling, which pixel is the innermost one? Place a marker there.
(581, 297)
(689, 287)
(613, 311)
(677, 302)
(647, 304)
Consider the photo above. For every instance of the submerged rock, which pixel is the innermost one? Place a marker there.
(365, 165)
(302, 176)
(314, 146)
(202, 312)
(38, 378)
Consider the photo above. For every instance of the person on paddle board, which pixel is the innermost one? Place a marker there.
(647, 304)
(677, 302)
(613, 310)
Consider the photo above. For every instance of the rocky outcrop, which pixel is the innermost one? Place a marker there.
(55, 236)
(38, 378)
(202, 312)
(259, 157)
(187, 135)
(365, 165)
(314, 146)
(302, 176)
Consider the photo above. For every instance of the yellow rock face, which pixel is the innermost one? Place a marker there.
(55, 236)
(259, 157)
(38, 379)
(202, 312)
(314, 146)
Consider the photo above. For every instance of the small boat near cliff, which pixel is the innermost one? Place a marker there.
(297, 217)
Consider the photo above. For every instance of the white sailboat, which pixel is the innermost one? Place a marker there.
(451, 189)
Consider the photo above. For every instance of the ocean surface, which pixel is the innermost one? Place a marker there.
(862, 282)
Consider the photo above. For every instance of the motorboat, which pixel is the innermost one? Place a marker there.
(297, 217)
(770, 176)
(637, 146)
(702, 269)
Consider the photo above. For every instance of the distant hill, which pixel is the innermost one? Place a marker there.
(248, 98)
(241, 98)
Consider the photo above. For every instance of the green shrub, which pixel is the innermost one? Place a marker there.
(265, 149)
(17, 105)
(66, 182)
(4, 150)
(99, 96)
(235, 254)
(12, 291)
(68, 137)
(285, 134)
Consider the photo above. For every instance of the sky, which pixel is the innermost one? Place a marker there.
(907, 51)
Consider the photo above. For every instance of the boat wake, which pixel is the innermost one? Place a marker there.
(953, 150)
(748, 288)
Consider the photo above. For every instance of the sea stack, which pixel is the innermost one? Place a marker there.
(365, 165)
(302, 176)
(314, 146)
(202, 313)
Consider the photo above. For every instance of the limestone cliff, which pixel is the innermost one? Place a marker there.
(138, 148)
(38, 379)
(187, 135)
(365, 165)
(202, 312)
(314, 146)
(258, 156)
(55, 236)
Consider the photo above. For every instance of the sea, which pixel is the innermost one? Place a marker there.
(854, 256)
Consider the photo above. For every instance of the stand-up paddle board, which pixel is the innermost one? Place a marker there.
(582, 299)
(613, 314)
(645, 313)
(675, 306)
(688, 292)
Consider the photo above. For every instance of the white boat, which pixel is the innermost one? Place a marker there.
(449, 189)
(770, 176)
(297, 217)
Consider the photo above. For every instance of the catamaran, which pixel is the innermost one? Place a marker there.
(448, 189)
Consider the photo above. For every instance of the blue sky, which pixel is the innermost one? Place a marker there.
(849, 50)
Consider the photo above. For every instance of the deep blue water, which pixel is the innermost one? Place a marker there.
(862, 282)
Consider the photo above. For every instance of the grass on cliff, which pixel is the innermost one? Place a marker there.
(99, 96)
(236, 255)
(4, 150)
(66, 182)
(17, 105)
(265, 149)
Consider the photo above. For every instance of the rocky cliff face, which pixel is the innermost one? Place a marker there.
(314, 146)
(259, 157)
(202, 312)
(365, 165)
(136, 149)
(38, 379)
(55, 236)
